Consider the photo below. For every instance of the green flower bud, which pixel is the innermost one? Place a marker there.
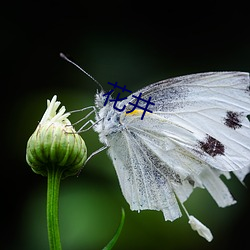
(55, 144)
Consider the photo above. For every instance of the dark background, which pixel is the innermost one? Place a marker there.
(134, 43)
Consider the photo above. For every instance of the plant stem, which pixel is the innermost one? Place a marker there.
(54, 177)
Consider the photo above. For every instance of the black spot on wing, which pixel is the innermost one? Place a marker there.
(248, 89)
(233, 119)
(212, 146)
(191, 181)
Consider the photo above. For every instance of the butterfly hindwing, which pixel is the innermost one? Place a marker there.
(142, 184)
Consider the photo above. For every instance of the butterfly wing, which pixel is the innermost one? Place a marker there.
(197, 131)
(140, 184)
(212, 106)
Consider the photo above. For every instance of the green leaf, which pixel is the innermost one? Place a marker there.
(117, 234)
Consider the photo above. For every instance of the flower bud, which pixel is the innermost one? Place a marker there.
(55, 144)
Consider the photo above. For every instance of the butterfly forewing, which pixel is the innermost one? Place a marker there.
(213, 107)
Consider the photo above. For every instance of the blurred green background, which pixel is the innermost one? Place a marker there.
(133, 43)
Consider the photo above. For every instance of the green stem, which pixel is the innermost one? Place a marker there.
(54, 177)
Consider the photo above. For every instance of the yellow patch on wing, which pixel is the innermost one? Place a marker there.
(136, 112)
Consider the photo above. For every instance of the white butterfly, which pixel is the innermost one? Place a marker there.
(198, 131)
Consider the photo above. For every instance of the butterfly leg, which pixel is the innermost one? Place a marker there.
(91, 155)
(81, 129)
(86, 116)
(96, 152)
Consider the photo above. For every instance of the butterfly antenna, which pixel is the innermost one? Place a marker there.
(68, 60)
